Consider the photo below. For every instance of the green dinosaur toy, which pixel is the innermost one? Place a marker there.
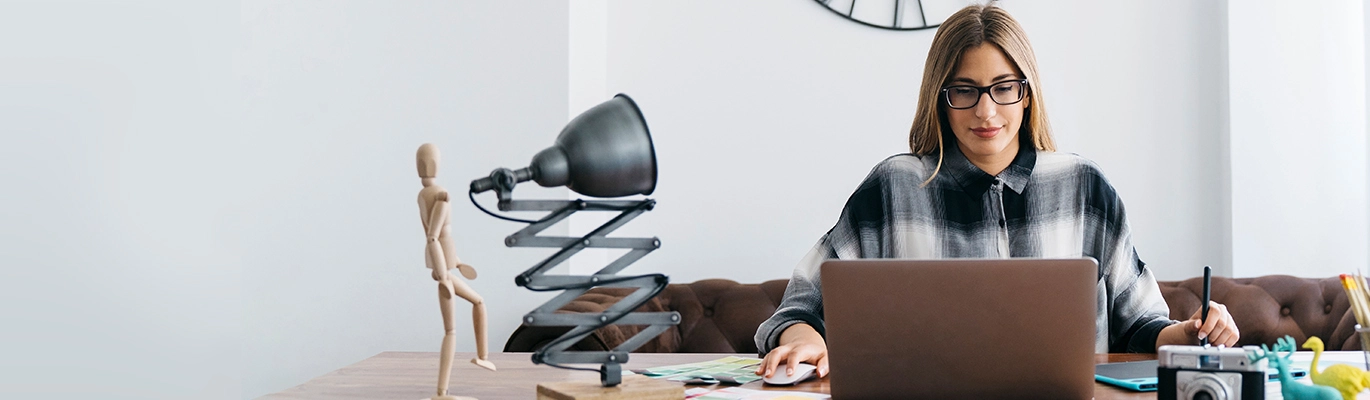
(1348, 380)
(1291, 389)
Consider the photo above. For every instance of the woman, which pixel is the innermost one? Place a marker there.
(983, 180)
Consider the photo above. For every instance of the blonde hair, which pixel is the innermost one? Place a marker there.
(968, 28)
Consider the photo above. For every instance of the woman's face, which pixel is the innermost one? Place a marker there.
(987, 132)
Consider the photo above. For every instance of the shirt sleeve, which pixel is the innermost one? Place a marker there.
(861, 232)
(1137, 311)
(803, 301)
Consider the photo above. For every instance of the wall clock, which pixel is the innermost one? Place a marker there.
(898, 15)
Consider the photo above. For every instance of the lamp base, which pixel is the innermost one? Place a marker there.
(633, 387)
(449, 398)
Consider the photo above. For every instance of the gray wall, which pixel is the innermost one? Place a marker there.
(217, 199)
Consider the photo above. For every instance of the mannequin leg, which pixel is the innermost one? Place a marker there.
(449, 340)
(482, 352)
(478, 314)
(478, 320)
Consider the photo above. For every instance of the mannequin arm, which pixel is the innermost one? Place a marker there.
(437, 219)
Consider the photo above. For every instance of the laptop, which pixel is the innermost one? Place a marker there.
(960, 328)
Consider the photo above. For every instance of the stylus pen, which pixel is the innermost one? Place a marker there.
(1203, 316)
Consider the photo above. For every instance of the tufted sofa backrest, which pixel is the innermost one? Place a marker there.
(1269, 307)
(721, 316)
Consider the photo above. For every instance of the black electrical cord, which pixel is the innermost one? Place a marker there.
(588, 206)
(472, 195)
(554, 365)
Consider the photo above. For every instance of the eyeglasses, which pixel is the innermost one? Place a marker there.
(961, 97)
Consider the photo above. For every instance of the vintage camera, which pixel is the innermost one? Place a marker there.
(1209, 373)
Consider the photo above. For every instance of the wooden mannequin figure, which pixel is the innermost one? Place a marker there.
(441, 256)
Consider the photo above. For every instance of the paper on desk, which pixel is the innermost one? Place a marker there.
(734, 393)
(730, 370)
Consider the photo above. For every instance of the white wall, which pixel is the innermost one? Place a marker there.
(218, 200)
(765, 119)
(338, 96)
(118, 125)
(1297, 137)
(1135, 86)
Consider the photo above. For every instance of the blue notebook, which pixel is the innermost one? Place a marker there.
(1141, 375)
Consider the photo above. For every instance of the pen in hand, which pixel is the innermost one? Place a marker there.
(1203, 316)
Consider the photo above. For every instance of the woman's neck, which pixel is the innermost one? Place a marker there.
(993, 164)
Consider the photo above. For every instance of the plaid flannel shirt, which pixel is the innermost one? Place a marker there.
(1044, 205)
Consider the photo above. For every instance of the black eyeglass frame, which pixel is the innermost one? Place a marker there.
(981, 90)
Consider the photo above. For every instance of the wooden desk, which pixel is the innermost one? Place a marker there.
(413, 376)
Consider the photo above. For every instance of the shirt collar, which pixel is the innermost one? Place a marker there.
(975, 181)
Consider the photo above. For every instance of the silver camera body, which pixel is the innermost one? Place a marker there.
(1206, 372)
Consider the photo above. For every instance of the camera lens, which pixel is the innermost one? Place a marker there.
(1207, 387)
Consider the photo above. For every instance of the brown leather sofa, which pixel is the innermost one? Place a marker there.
(721, 316)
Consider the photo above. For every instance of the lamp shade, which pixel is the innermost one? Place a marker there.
(604, 152)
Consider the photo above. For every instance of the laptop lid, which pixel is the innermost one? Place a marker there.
(960, 328)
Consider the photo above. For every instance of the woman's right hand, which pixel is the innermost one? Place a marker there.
(799, 343)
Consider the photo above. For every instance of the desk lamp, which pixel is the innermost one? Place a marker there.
(605, 152)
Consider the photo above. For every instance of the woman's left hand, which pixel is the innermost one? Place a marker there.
(1218, 328)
